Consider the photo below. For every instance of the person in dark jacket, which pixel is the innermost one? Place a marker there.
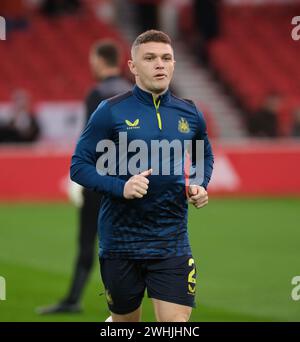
(23, 126)
(105, 58)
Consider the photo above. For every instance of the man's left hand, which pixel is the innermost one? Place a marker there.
(197, 195)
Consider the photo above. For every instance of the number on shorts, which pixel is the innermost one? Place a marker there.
(191, 277)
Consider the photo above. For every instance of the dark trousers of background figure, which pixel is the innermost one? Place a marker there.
(146, 16)
(87, 237)
(207, 24)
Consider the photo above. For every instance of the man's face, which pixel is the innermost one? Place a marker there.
(153, 66)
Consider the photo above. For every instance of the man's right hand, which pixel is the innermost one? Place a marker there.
(137, 186)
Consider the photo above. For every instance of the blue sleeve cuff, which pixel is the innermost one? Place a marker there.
(118, 187)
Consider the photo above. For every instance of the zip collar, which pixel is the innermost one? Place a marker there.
(147, 97)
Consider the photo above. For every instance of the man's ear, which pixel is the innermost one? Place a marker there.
(174, 63)
(132, 67)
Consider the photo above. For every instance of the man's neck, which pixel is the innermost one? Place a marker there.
(155, 95)
(111, 72)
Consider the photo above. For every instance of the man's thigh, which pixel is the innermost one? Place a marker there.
(172, 280)
(124, 285)
(171, 312)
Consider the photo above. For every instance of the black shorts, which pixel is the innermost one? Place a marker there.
(171, 280)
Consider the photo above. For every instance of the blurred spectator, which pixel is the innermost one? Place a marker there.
(58, 7)
(206, 14)
(105, 10)
(147, 14)
(264, 122)
(169, 13)
(23, 126)
(105, 67)
(295, 131)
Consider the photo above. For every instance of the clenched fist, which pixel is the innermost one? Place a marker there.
(137, 186)
(197, 195)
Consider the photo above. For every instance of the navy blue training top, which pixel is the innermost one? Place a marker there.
(155, 226)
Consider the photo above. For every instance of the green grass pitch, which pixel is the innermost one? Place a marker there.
(246, 252)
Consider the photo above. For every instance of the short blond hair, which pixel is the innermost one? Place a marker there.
(151, 36)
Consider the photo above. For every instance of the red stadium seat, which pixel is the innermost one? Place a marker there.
(55, 65)
(255, 55)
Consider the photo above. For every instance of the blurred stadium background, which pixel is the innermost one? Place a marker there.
(238, 61)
